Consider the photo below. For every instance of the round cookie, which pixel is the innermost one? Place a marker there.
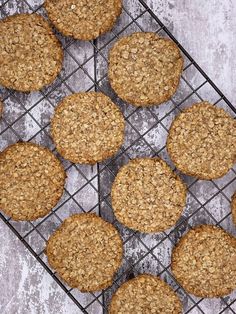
(86, 251)
(233, 207)
(201, 141)
(145, 69)
(145, 294)
(87, 128)
(83, 19)
(147, 195)
(30, 54)
(31, 179)
(204, 262)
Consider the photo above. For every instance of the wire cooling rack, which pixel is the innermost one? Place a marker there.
(26, 117)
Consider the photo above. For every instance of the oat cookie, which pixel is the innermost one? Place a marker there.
(87, 128)
(233, 207)
(202, 141)
(31, 180)
(145, 69)
(204, 262)
(145, 294)
(147, 195)
(30, 54)
(86, 251)
(83, 19)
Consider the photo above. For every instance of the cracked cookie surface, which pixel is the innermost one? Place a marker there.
(202, 141)
(87, 128)
(204, 262)
(145, 294)
(83, 19)
(145, 69)
(30, 54)
(86, 251)
(147, 195)
(31, 179)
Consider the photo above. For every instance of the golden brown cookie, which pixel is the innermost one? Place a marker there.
(30, 54)
(86, 251)
(83, 19)
(31, 180)
(145, 294)
(87, 128)
(202, 141)
(204, 262)
(233, 207)
(147, 195)
(145, 69)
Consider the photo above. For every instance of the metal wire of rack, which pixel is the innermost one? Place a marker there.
(88, 188)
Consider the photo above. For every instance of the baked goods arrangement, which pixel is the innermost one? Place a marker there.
(87, 128)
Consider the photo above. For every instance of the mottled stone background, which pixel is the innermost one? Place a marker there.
(207, 30)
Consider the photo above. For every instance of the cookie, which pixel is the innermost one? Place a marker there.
(202, 141)
(147, 195)
(145, 69)
(83, 19)
(30, 54)
(145, 294)
(31, 179)
(86, 251)
(87, 128)
(204, 262)
(233, 207)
